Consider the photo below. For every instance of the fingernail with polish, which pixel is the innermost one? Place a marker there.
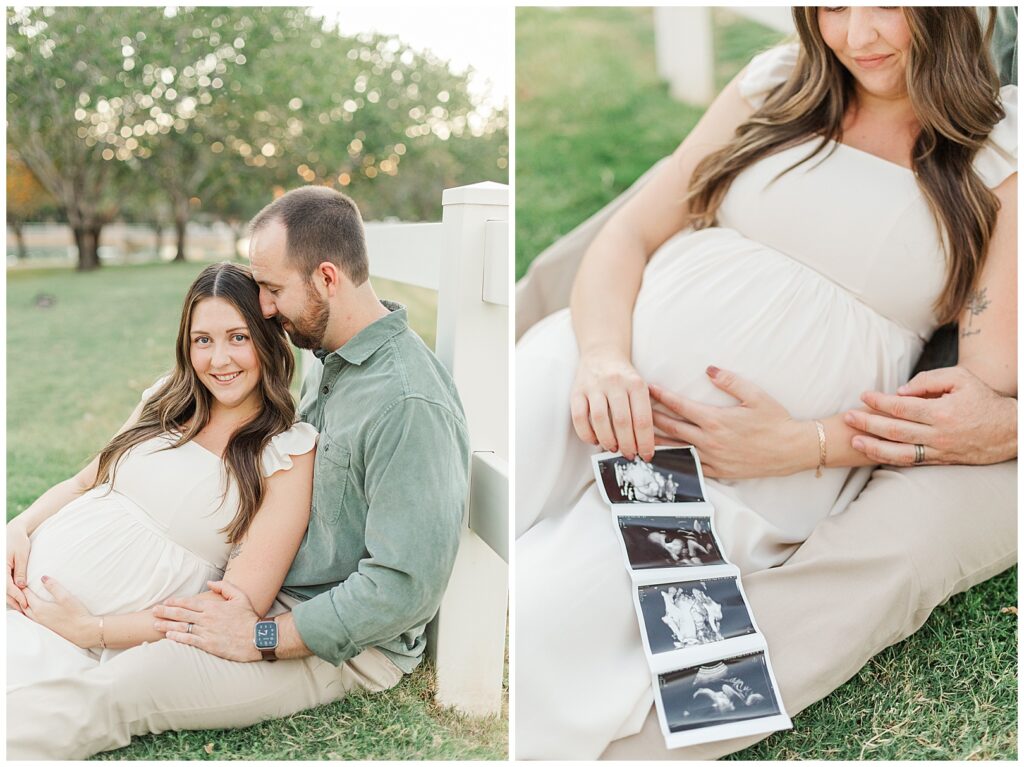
(45, 578)
(713, 371)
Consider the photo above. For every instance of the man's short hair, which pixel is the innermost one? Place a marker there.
(321, 225)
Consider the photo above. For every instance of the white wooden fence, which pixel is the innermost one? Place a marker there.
(684, 46)
(465, 258)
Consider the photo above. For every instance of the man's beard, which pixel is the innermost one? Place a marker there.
(307, 330)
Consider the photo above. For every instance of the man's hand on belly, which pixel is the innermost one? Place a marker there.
(220, 627)
(951, 413)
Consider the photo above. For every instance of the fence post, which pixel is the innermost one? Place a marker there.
(684, 46)
(472, 334)
(473, 331)
(684, 51)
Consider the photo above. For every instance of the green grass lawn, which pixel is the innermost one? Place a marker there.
(75, 371)
(592, 116)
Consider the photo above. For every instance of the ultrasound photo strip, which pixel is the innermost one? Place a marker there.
(667, 484)
(695, 621)
(727, 698)
(658, 549)
(711, 673)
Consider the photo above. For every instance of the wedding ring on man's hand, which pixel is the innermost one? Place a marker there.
(189, 629)
(918, 453)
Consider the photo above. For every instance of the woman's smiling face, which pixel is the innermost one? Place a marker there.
(872, 43)
(222, 353)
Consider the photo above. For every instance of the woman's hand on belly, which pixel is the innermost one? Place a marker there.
(65, 615)
(611, 406)
(18, 546)
(756, 438)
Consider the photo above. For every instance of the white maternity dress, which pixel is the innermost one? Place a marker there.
(816, 287)
(155, 535)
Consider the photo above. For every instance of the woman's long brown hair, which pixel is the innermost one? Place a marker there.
(954, 89)
(181, 405)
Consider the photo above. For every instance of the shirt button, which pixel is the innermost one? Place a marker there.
(325, 390)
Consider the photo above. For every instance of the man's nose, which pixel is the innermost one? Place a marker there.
(267, 305)
(862, 30)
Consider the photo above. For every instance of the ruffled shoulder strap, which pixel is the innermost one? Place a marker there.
(155, 387)
(766, 71)
(298, 440)
(997, 158)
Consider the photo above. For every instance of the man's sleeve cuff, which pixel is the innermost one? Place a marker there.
(322, 631)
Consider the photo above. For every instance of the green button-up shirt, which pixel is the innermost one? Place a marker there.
(389, 488)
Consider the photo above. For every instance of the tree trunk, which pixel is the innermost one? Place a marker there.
(158, 228)
(87, 238)
(179, 229)
(19, 236)
(237, 231)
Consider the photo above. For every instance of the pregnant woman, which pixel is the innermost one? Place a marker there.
(841, 199)
(209, 478)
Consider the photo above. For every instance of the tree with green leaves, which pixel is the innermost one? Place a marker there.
(63, 68)
(203, 57)
(387, 124)
(218, 109)
(89, 108)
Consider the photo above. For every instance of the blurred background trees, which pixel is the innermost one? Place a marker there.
(26, 200)
(162, 116)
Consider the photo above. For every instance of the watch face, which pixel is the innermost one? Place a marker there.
(266, 635)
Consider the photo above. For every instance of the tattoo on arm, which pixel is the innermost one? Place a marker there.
(977, 302)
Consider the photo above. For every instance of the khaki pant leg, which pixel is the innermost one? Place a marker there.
(866, 579)
(167, 686)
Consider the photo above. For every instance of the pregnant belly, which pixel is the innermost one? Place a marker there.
(106, 557)
(716, 298)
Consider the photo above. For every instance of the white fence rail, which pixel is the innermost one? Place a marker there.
(409, 253)
(466, 259)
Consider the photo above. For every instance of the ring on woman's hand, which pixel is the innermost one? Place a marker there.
(918, 453)
(189, 629)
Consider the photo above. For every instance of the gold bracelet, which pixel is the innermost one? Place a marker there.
(103, 644)
(822, 452)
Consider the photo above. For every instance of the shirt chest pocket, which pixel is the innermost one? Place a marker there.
(330, 479)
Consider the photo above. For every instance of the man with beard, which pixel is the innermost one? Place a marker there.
(389, 488)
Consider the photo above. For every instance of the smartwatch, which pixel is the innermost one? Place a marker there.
(264, 636)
